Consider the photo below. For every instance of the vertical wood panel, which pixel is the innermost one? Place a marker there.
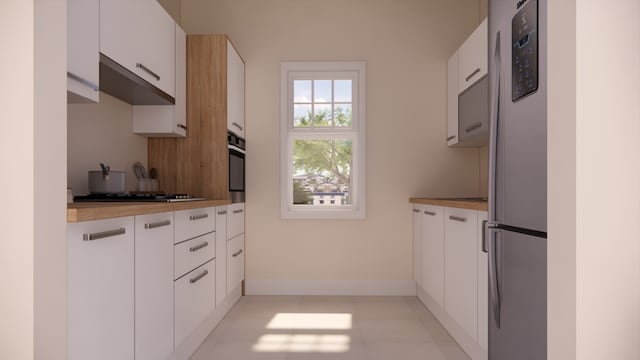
(199, 163)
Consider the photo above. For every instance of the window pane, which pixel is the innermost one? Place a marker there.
(321, 170)
(301, 115)
(343, 115)
(322, 91)
(302, 91)
(323, 116)
(342, 91)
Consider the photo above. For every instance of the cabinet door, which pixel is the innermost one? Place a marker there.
(101, 289)
(483, 286)
(474, 57)
(221, 250)
(433, 252)
(140, 35)
(235, 220)
(167, 120)
(154, 286)
(83, 39)
(452, 100)
(235, 91)
(461, 266)
(195, 300)
(417, 244)
(235, 262)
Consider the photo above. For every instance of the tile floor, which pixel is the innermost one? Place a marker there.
(331, 328)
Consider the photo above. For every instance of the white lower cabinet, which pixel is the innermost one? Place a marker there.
(235, 220)
(433, 252)
(235, 262)
(483, 285)
(154, 286)
(417, 244)
(461, 266)
(455, 274)
(100, 271)
(221, 259)
(192, 253)
(151, 287)
(194, 299)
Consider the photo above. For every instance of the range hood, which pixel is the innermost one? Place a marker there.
(119, 82)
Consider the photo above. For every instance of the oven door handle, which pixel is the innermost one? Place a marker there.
(238, 149)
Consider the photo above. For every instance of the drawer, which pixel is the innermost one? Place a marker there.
(193, 253)
(194, 222)
(235, 220)
(194, 300)
(235, 262)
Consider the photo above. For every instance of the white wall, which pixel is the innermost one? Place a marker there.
(406, 46)
(16, 153)
(33, 159)
(594, 180)
(101, 133)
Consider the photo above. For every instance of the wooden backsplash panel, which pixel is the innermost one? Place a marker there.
(199, 164)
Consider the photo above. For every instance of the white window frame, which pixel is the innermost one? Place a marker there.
(355, 70)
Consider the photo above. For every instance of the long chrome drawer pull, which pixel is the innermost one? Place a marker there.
(104, 234)
(237, 253)
(473, 127)
(198, 247)
(197, 278)
(141, 66)
(223, 212)
(237, 125)
(451, 137)
(157, 224)
(198, 217)
(83, 81)
(238, 211)
(458, 218)
(184, 127)
(416, 210)
(430, 213)
(472, 74)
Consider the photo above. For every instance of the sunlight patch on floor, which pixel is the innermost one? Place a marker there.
(310, 321)
(303, 343)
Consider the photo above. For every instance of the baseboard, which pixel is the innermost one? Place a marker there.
(336, 287)
(466, 342)
(190, 345)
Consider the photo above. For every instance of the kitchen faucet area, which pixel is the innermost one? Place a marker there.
(298, 180)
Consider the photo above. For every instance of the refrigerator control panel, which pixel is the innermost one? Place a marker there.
(524, 52)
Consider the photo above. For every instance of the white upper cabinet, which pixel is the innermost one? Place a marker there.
(167, 120)
(83, 39)
(139, 35)
(473, 62)
(235, 91)
(452, 99)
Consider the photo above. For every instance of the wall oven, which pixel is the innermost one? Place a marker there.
(236, 147)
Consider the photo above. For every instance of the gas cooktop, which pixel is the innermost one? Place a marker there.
(135, 198)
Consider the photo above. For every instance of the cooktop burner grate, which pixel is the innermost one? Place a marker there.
(135, 198)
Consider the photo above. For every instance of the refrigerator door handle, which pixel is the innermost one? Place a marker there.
(494, 291)
(492, 226)
(494, 113)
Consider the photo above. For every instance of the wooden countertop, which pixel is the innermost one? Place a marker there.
(86, 211)
(461, 203)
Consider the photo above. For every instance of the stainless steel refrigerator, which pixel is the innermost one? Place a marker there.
(517, 226)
